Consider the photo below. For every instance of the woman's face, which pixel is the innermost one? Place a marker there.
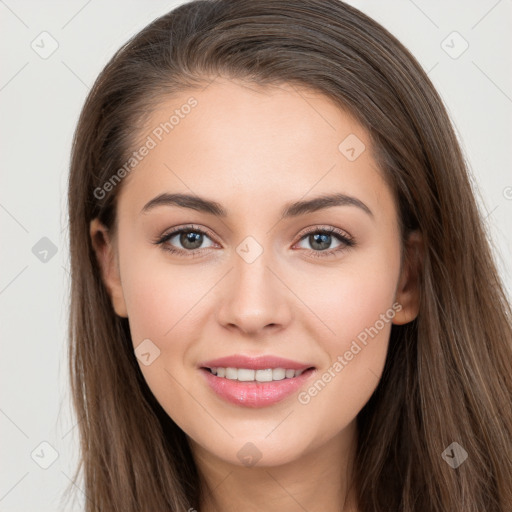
(317, 284)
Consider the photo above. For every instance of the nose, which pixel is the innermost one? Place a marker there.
(254, 298)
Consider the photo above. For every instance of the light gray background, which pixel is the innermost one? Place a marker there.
(40, 100)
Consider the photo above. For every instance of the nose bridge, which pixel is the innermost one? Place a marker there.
(254, 297)
(253, 281)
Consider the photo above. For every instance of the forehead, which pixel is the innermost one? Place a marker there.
(243, 144)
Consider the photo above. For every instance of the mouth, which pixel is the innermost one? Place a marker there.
(256, 375)
(255, 381)
(256, 388)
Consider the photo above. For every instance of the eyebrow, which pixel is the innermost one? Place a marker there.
(293, 209)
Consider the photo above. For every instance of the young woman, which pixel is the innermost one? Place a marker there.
(283, 296)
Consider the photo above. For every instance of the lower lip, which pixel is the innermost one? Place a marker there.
(255, 394)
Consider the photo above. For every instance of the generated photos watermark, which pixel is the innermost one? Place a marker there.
(343, 360)
(151, 142)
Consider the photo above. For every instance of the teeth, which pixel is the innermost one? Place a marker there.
(231, 373)
(278, 374)
(247, 375)
(243, 374)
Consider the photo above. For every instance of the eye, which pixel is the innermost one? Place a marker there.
(320, 239)
(190, 237)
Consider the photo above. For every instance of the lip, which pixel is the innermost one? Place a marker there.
(255, 394)
(255, 363)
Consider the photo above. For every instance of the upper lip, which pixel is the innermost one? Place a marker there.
(255, 363)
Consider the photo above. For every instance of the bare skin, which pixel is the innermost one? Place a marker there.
(253, 150)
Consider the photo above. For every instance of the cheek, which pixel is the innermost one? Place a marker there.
(358, 308)
(163, 301)
(348, 300)
(151, 310)
(160, 302)
(159, 296)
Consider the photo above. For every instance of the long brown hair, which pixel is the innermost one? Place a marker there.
(448, 374)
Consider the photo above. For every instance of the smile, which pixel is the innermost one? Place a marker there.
(253, 392)
(250, 375)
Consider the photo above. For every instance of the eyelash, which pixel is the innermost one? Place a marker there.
(347, 241)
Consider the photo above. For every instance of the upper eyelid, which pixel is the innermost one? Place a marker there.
(328, 229)
(178, 230)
